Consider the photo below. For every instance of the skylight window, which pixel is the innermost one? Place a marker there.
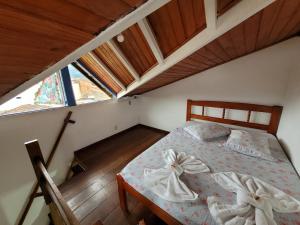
(84, 90)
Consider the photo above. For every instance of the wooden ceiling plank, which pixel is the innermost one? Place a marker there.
(113, 30)
(252, 31)
(226, 42)
(123, 73)
(138, 45)
(163, 27)
(283, 17)
(68, 14)
(123, 59)
(268, 21)
(292, 26)
(137, 50)
(107, 70)
(188, 17)
(198, 7)
(96, 69)
(176, 20)
(239, 13)
(112, 10)
(218, 52)
(205, 56)
(286, 19)
(147, 31)
(129, 50)
(133, 3)
(108, 57)
(176, 23)
(237, 36)
(22, 22)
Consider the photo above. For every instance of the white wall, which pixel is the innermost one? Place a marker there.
(93, 123)
(289, 128)
(259, 78)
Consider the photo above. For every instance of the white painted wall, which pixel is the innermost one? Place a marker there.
(259, 78)
(289, 128)
(93, 123)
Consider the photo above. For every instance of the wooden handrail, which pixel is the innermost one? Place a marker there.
(57, 198)
(60, 211)
(33, 194)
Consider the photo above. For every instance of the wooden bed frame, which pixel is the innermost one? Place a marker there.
(275, 112)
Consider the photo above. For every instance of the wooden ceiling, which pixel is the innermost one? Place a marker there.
(36, 34)
(137, 50)
(275, 23)
(93, 66)
(177, 22)
(111, 60)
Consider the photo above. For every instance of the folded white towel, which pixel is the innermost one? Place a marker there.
(256, 201)
(165, 182)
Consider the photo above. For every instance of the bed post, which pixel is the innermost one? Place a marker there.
(188, 110)
(275, 119)
(122, 194)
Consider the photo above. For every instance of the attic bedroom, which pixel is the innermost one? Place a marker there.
(149, 112)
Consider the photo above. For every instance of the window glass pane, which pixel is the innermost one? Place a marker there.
(85, 91)
(44, 95)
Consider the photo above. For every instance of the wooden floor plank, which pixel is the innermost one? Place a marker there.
(93, 195)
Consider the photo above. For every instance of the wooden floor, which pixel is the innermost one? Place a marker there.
(92, 195)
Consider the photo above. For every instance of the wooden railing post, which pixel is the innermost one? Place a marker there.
(35, 154)
(60, 211)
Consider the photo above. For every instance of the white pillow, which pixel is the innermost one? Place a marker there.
(250, 144)
(206, 131)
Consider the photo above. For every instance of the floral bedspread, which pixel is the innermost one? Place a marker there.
(280, 174)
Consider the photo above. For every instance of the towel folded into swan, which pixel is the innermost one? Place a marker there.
(256, 201)
(166, 182)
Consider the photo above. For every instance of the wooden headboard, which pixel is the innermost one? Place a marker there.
(275, 112)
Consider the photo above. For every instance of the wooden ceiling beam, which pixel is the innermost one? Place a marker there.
(107, 70)
(211, 13)
(144, 10)
(148, 33)
(123, 59)
(226, 22)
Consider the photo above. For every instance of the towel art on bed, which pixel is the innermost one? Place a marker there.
(255, 201)
(166, 182)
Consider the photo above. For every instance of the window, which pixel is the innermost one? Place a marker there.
(56, 90)
(85, 91)
(44, 95)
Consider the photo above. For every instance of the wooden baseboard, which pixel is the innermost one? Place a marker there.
(153, 128)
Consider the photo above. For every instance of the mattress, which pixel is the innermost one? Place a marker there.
(280, 174)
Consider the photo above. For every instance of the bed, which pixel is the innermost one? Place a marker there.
(280, 174)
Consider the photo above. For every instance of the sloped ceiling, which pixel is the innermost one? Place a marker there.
(275, 23)
(36, 34)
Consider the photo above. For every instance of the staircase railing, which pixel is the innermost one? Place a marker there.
(34, 193)
(61, 213)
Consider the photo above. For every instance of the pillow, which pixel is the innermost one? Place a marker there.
(206, 131)
(250, 144)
